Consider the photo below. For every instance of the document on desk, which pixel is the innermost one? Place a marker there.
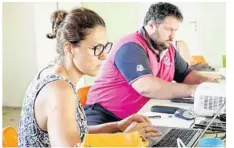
(169, 120)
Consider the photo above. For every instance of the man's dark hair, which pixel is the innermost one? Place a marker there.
(160, 10)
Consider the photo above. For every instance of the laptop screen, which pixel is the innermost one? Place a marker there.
(208, 125)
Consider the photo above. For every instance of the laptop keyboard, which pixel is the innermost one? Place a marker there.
(170, 139)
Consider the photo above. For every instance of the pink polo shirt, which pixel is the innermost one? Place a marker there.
(113, 90)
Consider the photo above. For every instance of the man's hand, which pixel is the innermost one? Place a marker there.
(215, 80)
(193, 90)
(123, 124)
(196, 78)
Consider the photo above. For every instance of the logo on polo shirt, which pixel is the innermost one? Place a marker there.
(166, 61)
(140, 68)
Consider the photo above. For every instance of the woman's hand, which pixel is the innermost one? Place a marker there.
(145, 129)
(138, 123)
(123, 124)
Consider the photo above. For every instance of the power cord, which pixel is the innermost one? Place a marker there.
(192, 123)
(223, 138)
(180, 143)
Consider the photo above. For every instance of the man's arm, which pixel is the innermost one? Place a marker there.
(132, 62)
(195, 78)
(185, 74)
(155, 88)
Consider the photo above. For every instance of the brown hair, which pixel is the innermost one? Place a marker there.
(73, 26)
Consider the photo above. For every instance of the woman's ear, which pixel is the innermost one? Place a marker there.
(68, 49)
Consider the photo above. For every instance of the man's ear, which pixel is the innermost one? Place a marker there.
(153, 23)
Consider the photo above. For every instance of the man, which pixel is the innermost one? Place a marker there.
(140, 67)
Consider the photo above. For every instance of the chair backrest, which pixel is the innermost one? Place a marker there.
(197, 59)
(183, 48)
(9, 137)
(83, 93)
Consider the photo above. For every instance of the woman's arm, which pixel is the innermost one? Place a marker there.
(104, 128)
(61, 115)
(120, 126)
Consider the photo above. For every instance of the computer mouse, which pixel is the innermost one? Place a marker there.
(184, 114)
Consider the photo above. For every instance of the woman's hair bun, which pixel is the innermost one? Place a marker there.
(56, 18)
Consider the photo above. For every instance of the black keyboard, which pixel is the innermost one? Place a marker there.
(170, 139)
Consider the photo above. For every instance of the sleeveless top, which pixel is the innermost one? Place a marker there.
(29, 133)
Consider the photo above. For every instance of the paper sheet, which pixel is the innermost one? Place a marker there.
(171, 121)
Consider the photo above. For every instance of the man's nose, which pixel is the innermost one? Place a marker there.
(172, 35)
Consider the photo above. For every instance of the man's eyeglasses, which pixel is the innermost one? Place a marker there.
(100, 48)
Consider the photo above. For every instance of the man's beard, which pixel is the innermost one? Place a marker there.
(162, 47)
(159, 46)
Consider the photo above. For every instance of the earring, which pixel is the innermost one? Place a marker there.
(70, 55)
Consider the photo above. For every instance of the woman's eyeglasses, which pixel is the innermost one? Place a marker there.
(100, 48)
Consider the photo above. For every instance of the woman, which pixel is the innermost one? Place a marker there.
(51, 113)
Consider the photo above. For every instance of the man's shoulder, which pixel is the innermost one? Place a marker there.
(130, 38)
(131, 48)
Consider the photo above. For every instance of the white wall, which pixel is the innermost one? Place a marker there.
(68, 5)
(19, 54)
(121, 18)
(26, 50)
(189, 30)
(214, 32)
(45, 48)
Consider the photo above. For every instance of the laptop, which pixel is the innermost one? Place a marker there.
(190, 137)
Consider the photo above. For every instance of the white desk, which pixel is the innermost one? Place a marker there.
(166, 120)
(151, 102)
